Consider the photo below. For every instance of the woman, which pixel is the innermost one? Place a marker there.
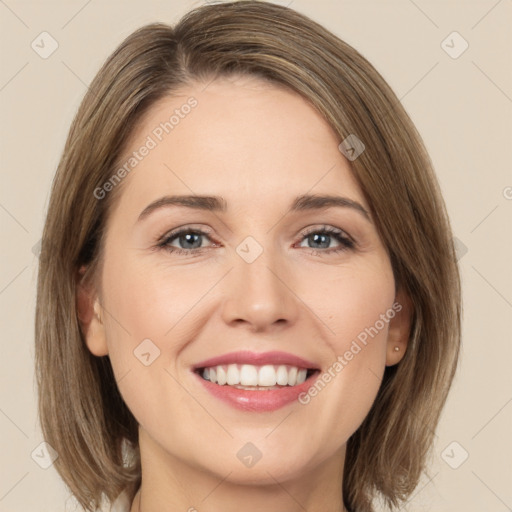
(298, 353)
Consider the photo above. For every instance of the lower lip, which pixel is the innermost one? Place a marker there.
(258, 401)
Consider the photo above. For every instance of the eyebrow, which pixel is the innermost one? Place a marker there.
(219, 204)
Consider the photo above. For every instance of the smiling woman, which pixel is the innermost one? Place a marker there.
(265, 301)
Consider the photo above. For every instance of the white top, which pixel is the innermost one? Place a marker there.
(121, 504)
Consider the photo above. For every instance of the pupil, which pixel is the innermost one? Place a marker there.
(317, 236)
(188, 237)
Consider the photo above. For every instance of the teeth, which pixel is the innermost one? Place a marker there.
(266, 376)
(282, 376)
(248, 376)
(292, 376)
(301, 376)
(233, 375)
(221, 375)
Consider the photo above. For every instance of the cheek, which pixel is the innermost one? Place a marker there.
(155, 311)
(358, 306)
(144, 336)
(355, 303)
(150, 301)
(361, 319)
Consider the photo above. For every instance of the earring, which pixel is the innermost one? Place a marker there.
(97, 311)
(397, 349)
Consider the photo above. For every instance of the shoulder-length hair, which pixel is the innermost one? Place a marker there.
(82, 414)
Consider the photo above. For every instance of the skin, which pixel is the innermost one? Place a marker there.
(258, 146)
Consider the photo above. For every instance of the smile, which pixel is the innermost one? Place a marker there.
(252, 377)
(256, 382)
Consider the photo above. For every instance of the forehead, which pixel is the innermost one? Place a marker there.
(240, 138)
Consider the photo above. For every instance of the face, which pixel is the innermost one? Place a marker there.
(260, 284)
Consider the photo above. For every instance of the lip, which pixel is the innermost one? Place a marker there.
(258, 401)
(257, 359)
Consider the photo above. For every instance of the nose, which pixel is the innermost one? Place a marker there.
(260, 294)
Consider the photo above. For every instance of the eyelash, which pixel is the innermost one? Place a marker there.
(346, 243)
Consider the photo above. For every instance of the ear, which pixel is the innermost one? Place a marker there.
(399, 328)
(90, 317)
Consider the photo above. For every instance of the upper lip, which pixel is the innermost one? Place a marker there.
(257, 359)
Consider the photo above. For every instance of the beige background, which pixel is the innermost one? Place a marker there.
(462, 107)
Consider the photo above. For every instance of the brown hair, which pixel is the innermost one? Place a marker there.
(81, 411)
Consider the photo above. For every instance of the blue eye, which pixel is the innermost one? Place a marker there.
(319, 236)
(190, 238)
(191, 244)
